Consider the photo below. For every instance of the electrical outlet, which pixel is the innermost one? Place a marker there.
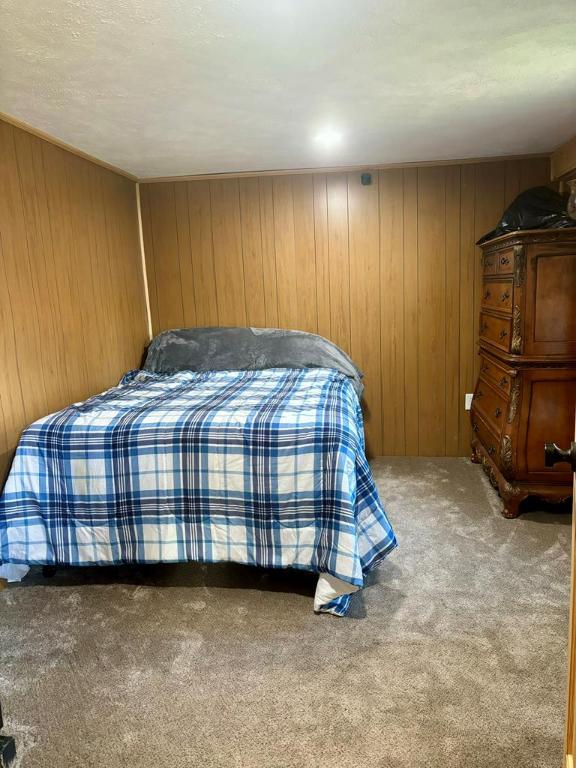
(468, 400)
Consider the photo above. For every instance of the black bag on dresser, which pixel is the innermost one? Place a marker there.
(536, 208)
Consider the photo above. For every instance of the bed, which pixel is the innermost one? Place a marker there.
(238, 445)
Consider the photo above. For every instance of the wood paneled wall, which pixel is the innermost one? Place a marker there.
(388, 271)
(564, 161)
(72, 303)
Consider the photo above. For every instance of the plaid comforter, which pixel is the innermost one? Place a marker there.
(259, 467)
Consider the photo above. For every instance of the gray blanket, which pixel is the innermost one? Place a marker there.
(246, 349)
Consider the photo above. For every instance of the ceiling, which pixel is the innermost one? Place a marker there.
(171, 87)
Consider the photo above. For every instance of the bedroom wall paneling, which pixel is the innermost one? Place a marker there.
(388, 271)
(72, 303)
(564, 160)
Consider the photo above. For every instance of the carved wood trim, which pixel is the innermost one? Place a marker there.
(516, 345)
(550, 236)
(514, 400)
(519, 265)
(511, 490)
(489, 470)
(506, 455)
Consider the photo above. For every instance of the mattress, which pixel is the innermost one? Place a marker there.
(263, 467)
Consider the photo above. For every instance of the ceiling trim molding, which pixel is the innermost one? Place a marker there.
(338, 169)
(63, 145)
(563, 160)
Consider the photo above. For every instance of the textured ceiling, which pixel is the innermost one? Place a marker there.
(167, 87)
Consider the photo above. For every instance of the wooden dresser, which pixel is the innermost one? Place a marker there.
(526, 391)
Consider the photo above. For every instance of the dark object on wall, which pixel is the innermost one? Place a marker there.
(366, 179)
(7, 747)
(526, 391)
(536, 208)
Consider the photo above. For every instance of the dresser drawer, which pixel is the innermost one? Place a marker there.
(496, 330)
(481, 431)
(498, 294)
(495, 374)
(490, 263)
(491, 405)
(504, 261)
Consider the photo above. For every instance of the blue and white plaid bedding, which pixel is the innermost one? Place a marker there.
(258, 467)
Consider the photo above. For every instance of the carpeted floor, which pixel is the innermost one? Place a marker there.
(455, 656)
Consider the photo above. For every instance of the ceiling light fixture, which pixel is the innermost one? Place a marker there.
(329, 138)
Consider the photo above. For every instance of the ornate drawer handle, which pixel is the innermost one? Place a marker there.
(478, 395)
(498, 413)
(487, 262)
(487, 293)
(504, 260)
(491, 450)
(503, 382)
(485, 367)
(483, 327)
(505, 296)
(475, 427)
(503, 334)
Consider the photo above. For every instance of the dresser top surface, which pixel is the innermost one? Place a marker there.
(566, 234)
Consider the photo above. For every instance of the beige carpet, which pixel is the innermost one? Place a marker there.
(455, 655)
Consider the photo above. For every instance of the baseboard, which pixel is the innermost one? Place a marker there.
(569, 762)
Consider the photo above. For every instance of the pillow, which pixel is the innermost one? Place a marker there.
(246, 349)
